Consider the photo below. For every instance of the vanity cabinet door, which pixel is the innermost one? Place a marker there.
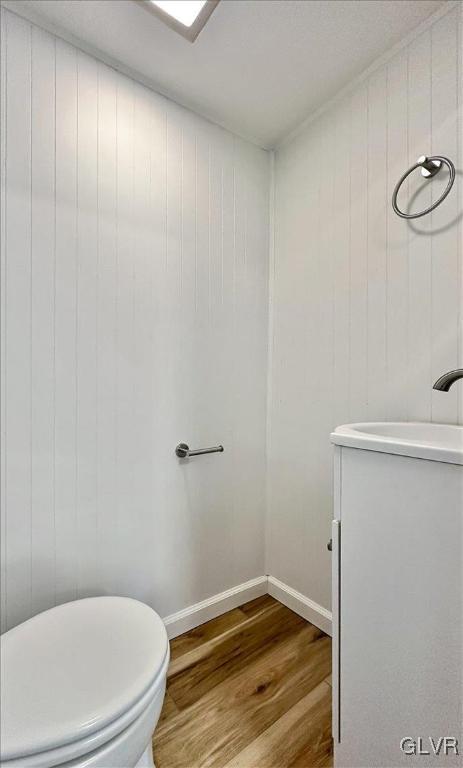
(400, 609)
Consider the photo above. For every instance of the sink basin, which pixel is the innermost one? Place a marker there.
(423, 440)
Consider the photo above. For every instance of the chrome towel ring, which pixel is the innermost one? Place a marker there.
(429, 167)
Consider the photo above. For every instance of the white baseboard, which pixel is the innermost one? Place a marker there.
(300, 604)
(194, 615)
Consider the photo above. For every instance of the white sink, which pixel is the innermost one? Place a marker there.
(423, 440)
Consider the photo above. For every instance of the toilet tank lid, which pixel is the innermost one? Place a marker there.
(70, 671)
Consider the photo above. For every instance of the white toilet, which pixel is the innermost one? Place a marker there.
(82, 685)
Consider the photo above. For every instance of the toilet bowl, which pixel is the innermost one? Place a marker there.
(82, 686)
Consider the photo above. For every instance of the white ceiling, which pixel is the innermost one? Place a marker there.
(259, 67)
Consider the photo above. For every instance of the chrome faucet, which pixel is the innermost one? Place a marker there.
(444, 382)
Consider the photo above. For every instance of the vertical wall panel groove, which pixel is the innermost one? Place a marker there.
(42, 317)
(65, 330)
(445, 256)
(87, 257)
(397, 244)
(420, 247)
(106, 329)
(17, 339)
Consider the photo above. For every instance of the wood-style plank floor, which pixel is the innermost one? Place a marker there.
(250, 689)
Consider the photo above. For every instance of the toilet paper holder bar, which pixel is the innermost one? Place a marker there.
(183, 452)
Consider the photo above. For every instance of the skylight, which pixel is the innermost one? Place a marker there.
(184, 11)
(187, 17)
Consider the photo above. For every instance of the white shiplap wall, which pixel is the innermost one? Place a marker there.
(367, 308)
(134, 316)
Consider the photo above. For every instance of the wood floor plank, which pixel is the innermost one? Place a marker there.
(258, 605)
(195, 673)
(304, 761)
(169, 709)
(301, 737)
(227, 718)
(209, 631)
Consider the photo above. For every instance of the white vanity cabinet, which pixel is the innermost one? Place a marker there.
(397, 597)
